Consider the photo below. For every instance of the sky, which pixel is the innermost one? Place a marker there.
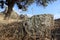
(52, 8)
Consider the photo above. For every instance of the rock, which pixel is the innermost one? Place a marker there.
(39, 24)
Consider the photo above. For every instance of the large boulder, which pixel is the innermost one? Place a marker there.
(40, 24)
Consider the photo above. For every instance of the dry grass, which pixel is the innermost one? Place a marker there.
(7, 21)
(9, 29)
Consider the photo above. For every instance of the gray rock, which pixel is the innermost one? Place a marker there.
(39, 24)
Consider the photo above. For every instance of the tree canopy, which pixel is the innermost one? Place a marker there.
(22, 4)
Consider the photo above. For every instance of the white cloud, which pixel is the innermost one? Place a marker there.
(56, 16)
(29, 15)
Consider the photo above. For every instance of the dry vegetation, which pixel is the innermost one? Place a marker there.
(10, 29)
(13, 18)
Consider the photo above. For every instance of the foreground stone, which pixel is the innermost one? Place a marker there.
(40, 26)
